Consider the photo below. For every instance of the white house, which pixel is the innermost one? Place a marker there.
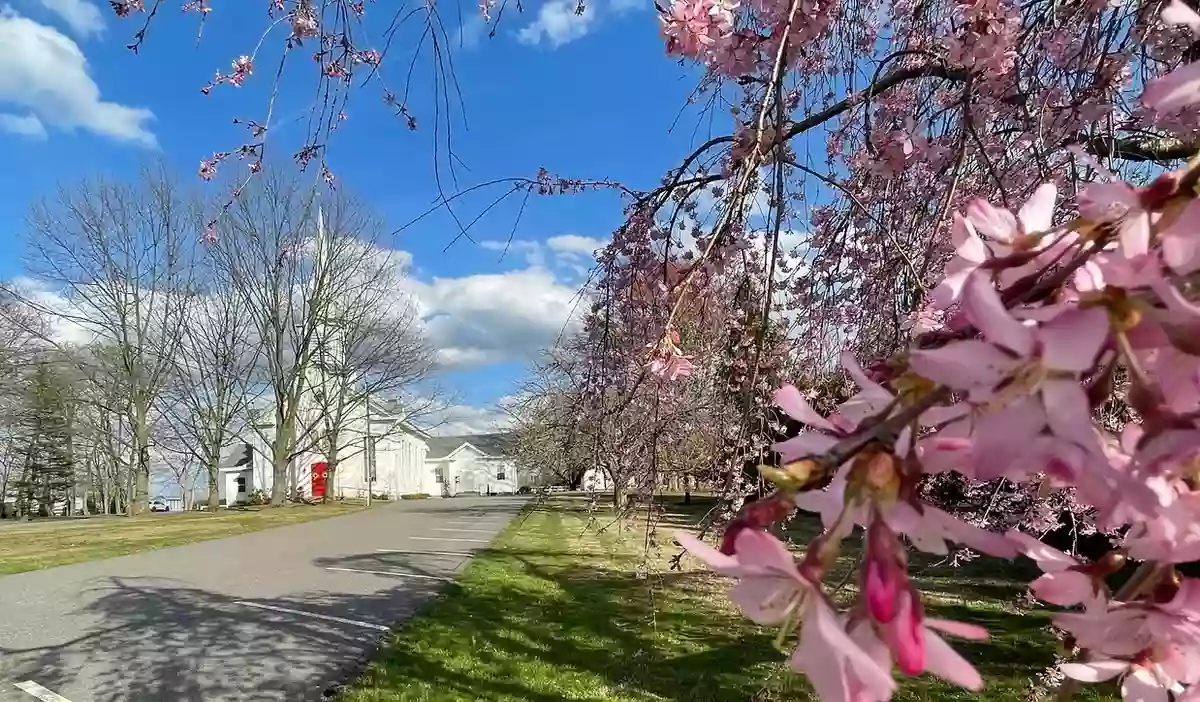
(476, 464)
(595, 480)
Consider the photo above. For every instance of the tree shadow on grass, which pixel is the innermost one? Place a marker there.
(560, 627)
(593, 632)
(564, 632)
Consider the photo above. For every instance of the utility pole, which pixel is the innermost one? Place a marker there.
(369, 450)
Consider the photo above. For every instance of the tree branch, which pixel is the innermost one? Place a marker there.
(1138, 149)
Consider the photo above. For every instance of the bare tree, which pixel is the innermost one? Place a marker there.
(121, 256)
(203, 407)
(551, 444)
(104, 436)
(290, 272)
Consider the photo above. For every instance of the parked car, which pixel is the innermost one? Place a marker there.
(159, 505)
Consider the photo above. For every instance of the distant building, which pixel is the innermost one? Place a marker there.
(595, 480)
(473, 464)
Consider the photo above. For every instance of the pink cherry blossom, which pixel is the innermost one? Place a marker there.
(1043, 359)
(770, 586)
(1065, 582)
(989, 232)
(836, 666)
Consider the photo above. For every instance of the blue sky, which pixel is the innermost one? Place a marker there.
(589, 97)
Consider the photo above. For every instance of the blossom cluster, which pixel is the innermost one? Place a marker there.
(1011, 357)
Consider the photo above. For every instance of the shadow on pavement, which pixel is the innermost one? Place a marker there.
(153, 639)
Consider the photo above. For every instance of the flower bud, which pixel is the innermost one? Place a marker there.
(875, 471)
(1108, 564)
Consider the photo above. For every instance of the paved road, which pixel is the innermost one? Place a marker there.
(275, 615)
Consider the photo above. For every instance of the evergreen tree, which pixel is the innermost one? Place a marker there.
(48, 473)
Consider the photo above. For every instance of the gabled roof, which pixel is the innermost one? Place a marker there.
(494, 445)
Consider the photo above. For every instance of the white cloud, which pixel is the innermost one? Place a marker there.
(468, 419)
(559, 22)
(574, 245)
(66, 325)
(81, 16)
(27, 125)
(494, 317)
(45, 72)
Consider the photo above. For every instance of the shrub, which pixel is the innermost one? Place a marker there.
(415, 496)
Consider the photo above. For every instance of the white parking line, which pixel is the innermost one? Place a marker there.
(442, 538)
(395, 573)
(472, 531)
(460, 554)
(40, 692)
(311, 615)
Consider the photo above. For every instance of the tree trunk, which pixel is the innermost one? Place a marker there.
(618, 495)
(141, 485)
(331, 467)
(331, 461)
(213, 497)
(279, 467)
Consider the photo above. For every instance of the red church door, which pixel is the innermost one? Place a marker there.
(319, 473)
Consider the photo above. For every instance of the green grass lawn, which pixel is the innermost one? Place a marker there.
(556, 611)
(53, 542)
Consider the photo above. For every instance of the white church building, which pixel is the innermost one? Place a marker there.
(382, 454)
(407, 461)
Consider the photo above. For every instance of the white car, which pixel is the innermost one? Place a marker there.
(159, 505)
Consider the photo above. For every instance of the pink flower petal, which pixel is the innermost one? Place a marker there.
(960, 629)
(766, 600)
(1176, 12)
(1071, 341)
(985, 310)
(1142, 685)
(962, 365)
(791, 401)
(828, 502)
(826, 651)
(850, 363)
(1037, 215)
(967, 243)
(993, 222)
(809, 443)
(1048, 558)
(1068, 411)
(1095, 671)
(982, 540)
(949, 290)
(1065, 589)
(1181, 241)
(756, 548)
(944, 662)
(723, 564)
(1174, 91)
